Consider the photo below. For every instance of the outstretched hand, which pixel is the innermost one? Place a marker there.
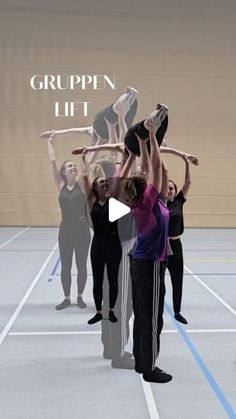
(83, 155)
(46, 134)
(151, 127)
(52, 136)
(192, 159)
(79, 150)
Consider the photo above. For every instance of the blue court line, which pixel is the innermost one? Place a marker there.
(54, 269)
(216, 389)
(53, 273)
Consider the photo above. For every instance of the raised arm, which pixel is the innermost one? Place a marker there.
(84, 177)
(188, 176)
(165, 180)
(155, 174)
(144, 157)
(84, 130)
(168, 150)
(52, 158)
(188, 158)
(123, 173)
(93, 155)
(101, 147)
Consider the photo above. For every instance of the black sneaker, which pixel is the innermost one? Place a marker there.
(65, 303)
(157, 376)
(180, 318)
(112, 317)
(95, 319)
(81, 303)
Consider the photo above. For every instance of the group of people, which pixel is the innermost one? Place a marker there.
(136, 253)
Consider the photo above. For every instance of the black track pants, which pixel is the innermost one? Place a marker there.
(148, 290)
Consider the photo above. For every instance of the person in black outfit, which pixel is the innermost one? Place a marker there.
(74, 234)
(106, 247)
(99, 132)
(140, 131)
(176, 228)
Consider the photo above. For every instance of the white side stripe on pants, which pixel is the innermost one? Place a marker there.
(155, 309)
(124, 294)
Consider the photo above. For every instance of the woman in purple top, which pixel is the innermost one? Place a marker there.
(149, 258)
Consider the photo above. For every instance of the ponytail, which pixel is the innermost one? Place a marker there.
(130, 190)
(134, 187)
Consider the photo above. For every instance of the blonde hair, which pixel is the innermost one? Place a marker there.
(134, 187)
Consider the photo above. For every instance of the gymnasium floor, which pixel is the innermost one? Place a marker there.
(51, 364)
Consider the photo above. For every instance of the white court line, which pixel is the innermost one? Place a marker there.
(97, 332)
(211, 291)
(16, 235)
(24, 299)
(151, 405)
(150, 399)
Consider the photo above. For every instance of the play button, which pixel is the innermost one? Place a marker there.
(116, 209)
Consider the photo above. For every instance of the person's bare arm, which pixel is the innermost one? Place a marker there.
(84, 179)
(178, 153)
(119, 147)
(93, 155)
(69, 131)
(155, 173)
(144, 157)
(123, 173)
(165, 180)
(188, 176)
(52, 158)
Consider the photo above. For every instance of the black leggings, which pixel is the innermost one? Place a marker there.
(131, 140)
(100, 125)
(176, 268)
(74, 237)
(105, 252)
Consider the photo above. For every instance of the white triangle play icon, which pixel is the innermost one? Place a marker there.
(116, 209)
